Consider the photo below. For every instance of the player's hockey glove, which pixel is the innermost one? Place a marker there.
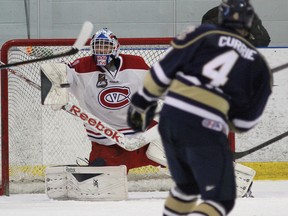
(140, 113)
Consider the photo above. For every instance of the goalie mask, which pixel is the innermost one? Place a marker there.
(105, 47)
(236, 14)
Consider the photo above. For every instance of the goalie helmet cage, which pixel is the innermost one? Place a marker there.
(34, 136)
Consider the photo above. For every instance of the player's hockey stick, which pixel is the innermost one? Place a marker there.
(79, 43)
(279, 68)
(238, 155)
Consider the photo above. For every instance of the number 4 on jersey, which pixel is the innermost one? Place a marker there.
(218, 68)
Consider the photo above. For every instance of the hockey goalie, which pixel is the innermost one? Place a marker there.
(102, 84)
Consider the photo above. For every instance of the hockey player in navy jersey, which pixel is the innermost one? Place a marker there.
(214, 81)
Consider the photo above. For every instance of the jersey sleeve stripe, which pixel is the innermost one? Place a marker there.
(191, 79)
(146, 95)
(246, 124)
(161, 76)
(152, 87)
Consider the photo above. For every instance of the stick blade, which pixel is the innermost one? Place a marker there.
(84, 35)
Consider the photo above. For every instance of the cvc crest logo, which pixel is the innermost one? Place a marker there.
(115, 97)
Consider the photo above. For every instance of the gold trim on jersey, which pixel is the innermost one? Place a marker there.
(210, 33)
(200, 95)
(152, 87)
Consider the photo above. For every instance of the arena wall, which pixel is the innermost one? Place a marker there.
(126, 18)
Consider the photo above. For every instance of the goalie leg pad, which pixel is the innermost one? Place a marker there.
(244, 177)
(86, 183)
(56, 183)
(155, 152)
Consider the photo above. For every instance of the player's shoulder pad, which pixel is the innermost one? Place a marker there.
(192, 34)
(133, 62)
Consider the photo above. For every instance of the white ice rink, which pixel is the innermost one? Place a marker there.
(271, 199)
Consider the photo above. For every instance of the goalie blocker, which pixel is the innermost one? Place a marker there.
(86, 183)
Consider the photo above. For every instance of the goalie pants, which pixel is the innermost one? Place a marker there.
(199, 159)
(114, 155)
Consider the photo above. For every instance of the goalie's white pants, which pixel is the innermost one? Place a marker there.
(86, 183)
(244, 175)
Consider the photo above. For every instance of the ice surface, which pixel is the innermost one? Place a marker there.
(271, 199)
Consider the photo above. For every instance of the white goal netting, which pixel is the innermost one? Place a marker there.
(40, 137)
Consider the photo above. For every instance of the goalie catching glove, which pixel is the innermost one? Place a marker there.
(54, 85)
(140, 113)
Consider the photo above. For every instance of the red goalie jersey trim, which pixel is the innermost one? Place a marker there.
(133, 62)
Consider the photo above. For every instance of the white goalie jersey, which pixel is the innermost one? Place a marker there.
(105, 93)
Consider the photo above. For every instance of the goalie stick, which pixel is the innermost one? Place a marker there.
(79, 43)
(129, 144)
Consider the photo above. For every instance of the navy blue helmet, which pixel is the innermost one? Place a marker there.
(236, 14)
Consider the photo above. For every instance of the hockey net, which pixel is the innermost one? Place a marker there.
(34, 136)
